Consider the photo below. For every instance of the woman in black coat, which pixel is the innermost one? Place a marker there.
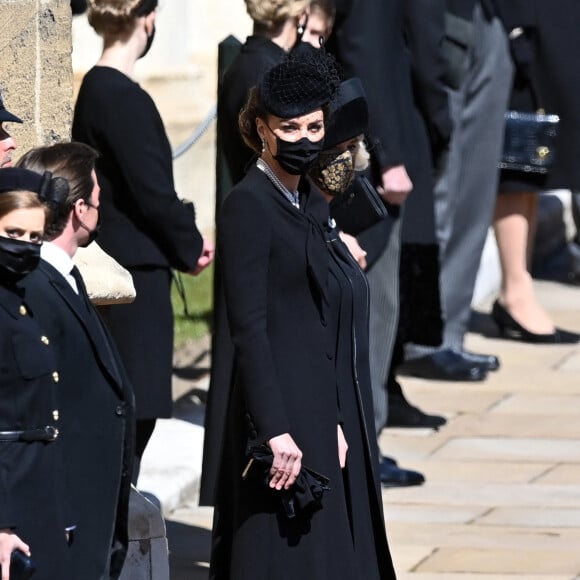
(32, 498)
(545, 48)
(146, 227)
(275, 266)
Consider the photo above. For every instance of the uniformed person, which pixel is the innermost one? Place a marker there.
(33, 512)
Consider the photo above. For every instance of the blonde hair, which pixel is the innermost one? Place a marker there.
(22, 199)
(362, 156)
(272, 13)
(114, 17)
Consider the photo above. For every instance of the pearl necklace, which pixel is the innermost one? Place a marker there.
(292, 197)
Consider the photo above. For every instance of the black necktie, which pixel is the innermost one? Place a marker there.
(81, 288)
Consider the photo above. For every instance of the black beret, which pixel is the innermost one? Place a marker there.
(349, 115)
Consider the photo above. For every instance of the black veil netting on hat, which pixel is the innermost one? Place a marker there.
(303, 82)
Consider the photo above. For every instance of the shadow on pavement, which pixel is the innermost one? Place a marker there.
(189, 551)
(191, 406)
(482, 323)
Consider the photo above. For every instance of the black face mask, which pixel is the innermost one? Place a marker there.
(149, 43)
(17, 259)
(93, 234)
(296, 157)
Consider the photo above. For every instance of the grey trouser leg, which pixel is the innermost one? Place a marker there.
(466, 191)
(383, 280)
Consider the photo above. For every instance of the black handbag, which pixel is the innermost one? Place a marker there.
(529, 141)
(358, 209)
(22, 567)
(305, 495)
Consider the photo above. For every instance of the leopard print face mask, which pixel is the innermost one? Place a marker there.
(333, 172)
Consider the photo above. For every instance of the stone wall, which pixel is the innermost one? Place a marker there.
(35, 69)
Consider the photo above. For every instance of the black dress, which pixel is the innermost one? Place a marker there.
(349, 304)
(275, 265)
(33, 500)
(145, 226)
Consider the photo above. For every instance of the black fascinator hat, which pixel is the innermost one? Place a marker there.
(302, 83)
(349, 116)
(51, 190)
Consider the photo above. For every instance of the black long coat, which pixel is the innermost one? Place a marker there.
(369, 41)
(145, 226)
(275, 261)
(97, 414)
(33, 498)
(557, 46)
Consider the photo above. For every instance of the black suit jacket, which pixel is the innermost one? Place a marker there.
(97, 414)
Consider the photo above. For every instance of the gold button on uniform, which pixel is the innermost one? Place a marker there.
(23, 310)
(44, 340)
(55, 377)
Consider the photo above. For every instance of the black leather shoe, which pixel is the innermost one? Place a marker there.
(403, 414)
(487, 361)
(393, 476)
(443, 365)
(511, 328)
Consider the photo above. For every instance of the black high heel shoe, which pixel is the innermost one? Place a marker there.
(511, 328)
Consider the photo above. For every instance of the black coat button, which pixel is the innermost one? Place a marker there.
(120, 410)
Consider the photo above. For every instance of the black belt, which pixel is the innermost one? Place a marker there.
(48, 433)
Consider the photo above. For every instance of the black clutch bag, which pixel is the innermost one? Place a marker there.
(358, 209)
(305, 495)
(529, 141)
(22, 567)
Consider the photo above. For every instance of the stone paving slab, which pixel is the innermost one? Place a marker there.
(554, 404)
(498, 561)
(531, 424)
(476, 472)
(171, 464)
(561, 474)
(421, 514)
(453, 493)
(537, 518)
(512, 449)
(487, 537)
(467, 576)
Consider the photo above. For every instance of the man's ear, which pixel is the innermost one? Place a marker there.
(79, 208)
(150, 23)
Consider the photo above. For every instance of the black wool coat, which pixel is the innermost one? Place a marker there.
(274, 263)
(33, 498)
(556, 50)
(97, 423)
(145, 226)
(370, 41)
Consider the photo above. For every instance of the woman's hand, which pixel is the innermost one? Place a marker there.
(287, 461)
(206, 258)
(9, 542)
(342, 447)
(355, 249)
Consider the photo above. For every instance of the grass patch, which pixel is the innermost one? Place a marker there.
(196, 321)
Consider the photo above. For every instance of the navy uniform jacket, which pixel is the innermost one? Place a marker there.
(33, 501)
(97, 413)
